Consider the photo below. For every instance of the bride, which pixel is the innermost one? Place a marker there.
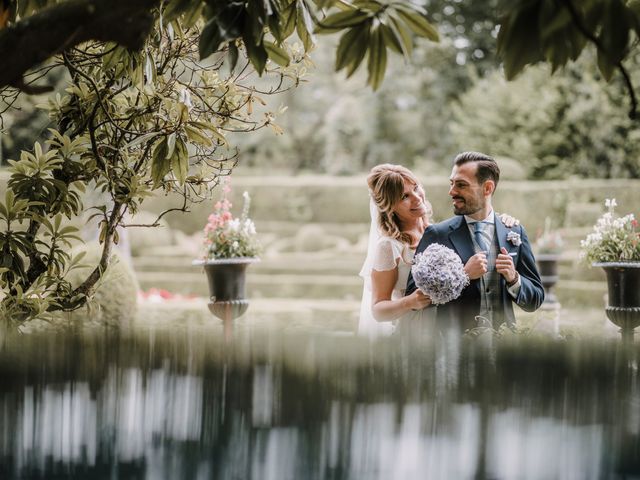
(399, 216)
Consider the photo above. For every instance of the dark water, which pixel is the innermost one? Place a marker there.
(304, 406)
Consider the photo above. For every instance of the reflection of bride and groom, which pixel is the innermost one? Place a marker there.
(494, 249)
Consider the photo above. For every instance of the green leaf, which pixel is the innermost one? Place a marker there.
(180, 161)
(391, 40)
(377, 59)
(257, 55)
(210, 38)
(605, 66)
(403, 34)
(614, 34)
(171, 144)
(288, 20)
(233, 56)
(341, 20)
(352, 48)
(277, 54)
(304, 25)
(419, 25)
(174, 8)
(142, 139)
(160, 165)
(518, 41)
(196, 136)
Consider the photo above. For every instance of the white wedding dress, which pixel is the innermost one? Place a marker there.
(387, 254)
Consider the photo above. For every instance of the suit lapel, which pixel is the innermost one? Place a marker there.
(501, 232)
(461, 239)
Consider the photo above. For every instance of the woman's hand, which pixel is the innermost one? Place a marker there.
(508, 220)
(476, 266)
(418, 300)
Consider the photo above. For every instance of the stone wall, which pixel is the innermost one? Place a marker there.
(344, 200)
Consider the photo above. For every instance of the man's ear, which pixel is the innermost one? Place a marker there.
(489, 187)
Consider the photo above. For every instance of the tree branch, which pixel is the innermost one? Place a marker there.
(34, 39)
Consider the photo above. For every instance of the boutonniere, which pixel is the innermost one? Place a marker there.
(514, 238)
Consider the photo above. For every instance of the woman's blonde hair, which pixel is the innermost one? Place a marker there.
(386, 186)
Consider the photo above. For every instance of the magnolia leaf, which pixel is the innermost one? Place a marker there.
(288, 20)
(196, 136)
(391, 39)
(160, 166)
(341, 20)
(233, 56)
(210, 38)
(605, 66)
(277, 54)
(142, 139)
(171, 144)
(403, 34)
(377, 59)
(345, 46)
(180, 162)
(358, 49)
(304, 25)
(419, 25)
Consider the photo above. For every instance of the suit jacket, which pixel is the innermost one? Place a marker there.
(454, 233)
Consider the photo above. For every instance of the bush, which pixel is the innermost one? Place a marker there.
(114, 303)
(568, 124)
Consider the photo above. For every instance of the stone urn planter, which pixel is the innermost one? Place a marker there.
(227, 279)
(548, 269)
(623, 284)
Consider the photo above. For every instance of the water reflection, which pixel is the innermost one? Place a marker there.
(316, 406)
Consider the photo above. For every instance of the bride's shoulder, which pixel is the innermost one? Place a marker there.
(388, 244)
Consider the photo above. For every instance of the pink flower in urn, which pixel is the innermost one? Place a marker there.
(226, 237)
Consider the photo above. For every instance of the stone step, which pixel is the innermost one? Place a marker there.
(336, 287)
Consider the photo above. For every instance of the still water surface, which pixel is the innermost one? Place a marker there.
(316, 406)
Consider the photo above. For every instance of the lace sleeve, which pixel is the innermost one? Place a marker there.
(386, 255)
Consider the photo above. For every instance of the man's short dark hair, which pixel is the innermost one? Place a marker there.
(488, 168)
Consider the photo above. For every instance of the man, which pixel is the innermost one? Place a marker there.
(501, 257)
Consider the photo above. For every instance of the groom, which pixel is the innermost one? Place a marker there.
(502, 255)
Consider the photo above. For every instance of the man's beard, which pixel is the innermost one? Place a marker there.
(468, 207)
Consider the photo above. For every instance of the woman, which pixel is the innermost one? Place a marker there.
(399, 215)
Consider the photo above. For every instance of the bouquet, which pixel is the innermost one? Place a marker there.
(439, 273)
(613, 239)
(228, 237)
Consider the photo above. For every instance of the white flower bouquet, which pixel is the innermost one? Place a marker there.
(439, 273)
(613, 239)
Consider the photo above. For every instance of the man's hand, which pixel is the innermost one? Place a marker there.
(476, 266)
(505, 266)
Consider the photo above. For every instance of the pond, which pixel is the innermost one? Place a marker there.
(298, 405)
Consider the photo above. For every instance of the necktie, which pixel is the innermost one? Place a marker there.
(481, 240)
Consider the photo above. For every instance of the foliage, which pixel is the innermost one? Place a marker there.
(557, 32)
(614, 238)
(567, 125)
(228, 237)
(131, 123)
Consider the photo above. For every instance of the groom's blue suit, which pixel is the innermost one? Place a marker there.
(454, 233)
